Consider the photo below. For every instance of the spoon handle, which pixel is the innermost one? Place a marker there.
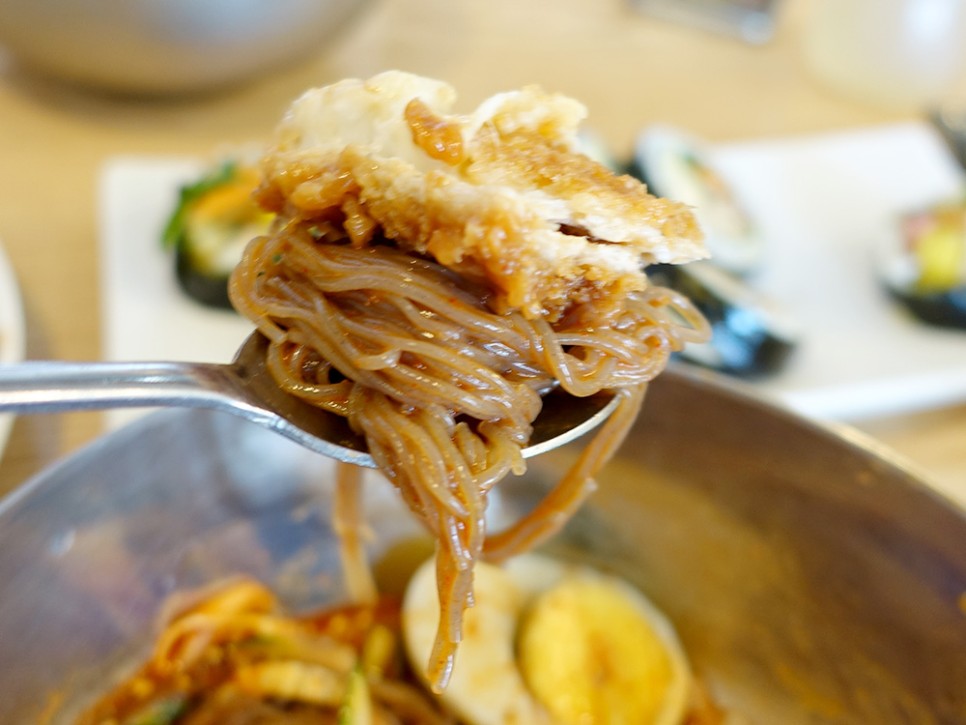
(53, 386)
(243, 388)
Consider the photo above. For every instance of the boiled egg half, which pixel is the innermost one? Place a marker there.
(551, 642)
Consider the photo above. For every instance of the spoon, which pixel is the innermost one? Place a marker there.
(246, 388)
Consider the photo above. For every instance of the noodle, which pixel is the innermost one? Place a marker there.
(443, 389)
(425, 306)
(349, 529)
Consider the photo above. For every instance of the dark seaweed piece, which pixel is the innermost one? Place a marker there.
(209, 289)
(942, 309)
(749, 338)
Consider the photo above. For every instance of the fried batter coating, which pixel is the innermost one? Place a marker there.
(501, 195)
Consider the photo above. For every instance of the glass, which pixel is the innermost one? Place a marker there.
(903, 54)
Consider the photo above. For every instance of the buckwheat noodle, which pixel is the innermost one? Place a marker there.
(443, 389)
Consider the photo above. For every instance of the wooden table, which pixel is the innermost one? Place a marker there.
(630, 70)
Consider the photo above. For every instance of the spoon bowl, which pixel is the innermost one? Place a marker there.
(245, 388)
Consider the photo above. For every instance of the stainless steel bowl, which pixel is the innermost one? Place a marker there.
(811, 579)
(166, 45)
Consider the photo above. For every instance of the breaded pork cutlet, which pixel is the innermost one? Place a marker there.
(501, 194)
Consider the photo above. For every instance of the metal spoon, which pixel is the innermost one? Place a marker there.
(245, 388)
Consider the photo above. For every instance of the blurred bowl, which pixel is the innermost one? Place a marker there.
(811, 579)
(166, 46)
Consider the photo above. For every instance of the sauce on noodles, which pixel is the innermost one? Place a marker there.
(232, 655)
